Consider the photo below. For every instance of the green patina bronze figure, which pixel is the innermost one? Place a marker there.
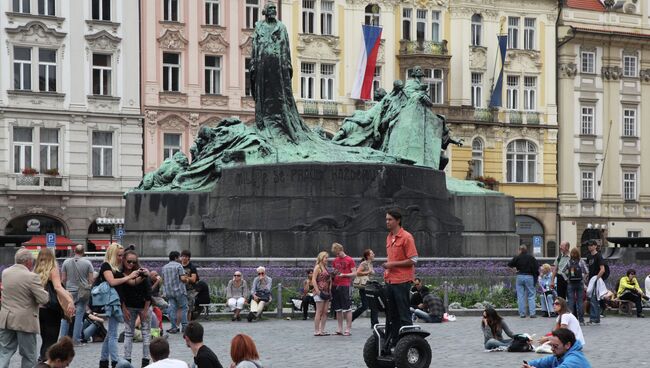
(400, 128)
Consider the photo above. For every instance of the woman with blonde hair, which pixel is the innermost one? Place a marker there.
(546, 294)
(243, 352)
(111, 272)
(50, 315)
(322, 293)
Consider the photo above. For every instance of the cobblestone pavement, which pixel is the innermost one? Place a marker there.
(618, 342)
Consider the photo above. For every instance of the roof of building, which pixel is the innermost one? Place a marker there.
(611, 32)
(595, 5)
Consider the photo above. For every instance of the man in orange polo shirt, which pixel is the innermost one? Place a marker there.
(399, 272)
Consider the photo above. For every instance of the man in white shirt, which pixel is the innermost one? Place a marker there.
(159, 349)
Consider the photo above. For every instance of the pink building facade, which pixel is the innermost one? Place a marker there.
(194, 70)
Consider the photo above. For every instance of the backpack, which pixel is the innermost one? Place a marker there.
(520, 344)
(606, 274)
(575, 271)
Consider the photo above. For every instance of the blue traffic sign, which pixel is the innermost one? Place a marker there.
(50, 240)
(120, 232)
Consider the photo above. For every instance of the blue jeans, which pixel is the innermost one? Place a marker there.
(123, 363)
(494, 343)
(575, 291)
(594, 307)
(80, 308)
(548, 302)
(129, 330)
(176, 302)
(109, 346)
(424, 316)
(526, 293)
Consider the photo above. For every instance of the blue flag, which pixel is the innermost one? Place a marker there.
(495, 99)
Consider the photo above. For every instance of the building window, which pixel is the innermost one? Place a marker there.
(477, 29)
(434, 78)
(170, 10)
(435, 26)
(376, 80)
(420, 24)
(23, 144)
(372, 15)
(588, 62)
(634, 234)
(46, 7)
(629, 65)
(213, 74)
(327, 18)
(46, 70)
(529, 33)
(307, 78)
(252, 13)
(587, 120)
(171, 145)
(102, 74)
(407, 15)
(327, 81)
(248, 90)
(21, 6)
(521, 162)
(588, 185)
(308, 13)
(477, 90)
(530, 93)
(513, 32)
(629, 185)
(102, 148)
(629, 122)
(477, 157)
(171, 72)
(22, 68)
(49, 147)
(101, 9)
(512, 92)
(212, 11)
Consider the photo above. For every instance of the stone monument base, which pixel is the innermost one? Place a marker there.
(299, 209)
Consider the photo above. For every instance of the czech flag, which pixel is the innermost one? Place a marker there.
(362, 88)
(497, 91)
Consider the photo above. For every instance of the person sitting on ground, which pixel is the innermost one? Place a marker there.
(59, 355)
(93, 328)
(236, 293)
(493, 327)
(629, 289)
(431, 310)
(418, 291)
(204, 357)
(243, 352)
(565, 319)
(260, 294)
(156, 298)
(159, 349)
(567, 352)
(307, 295)
(547, 294)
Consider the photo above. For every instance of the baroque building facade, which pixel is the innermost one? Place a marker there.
(604, 86)
(70, 126)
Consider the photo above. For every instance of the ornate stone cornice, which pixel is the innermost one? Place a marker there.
(214, 43)
(36, 32)
(567, 70)
(247, 46)
(388, 5)
(103, 40)
(611, 72)
(468, 11)
(172, 40)
(318, 46)
(644, 75)
(173, 122)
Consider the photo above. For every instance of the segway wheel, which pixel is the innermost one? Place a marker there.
(412, 351)
(370, 354)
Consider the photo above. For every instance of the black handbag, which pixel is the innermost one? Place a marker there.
(53, 304)
(325, 296)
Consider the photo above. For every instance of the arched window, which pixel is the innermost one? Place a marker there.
(477, 157)
(477, 28)
(372, 15)
(521, 166)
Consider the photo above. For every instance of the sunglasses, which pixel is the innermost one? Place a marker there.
(556, 303)
(237, 275)
(132, 262)
(260, 273)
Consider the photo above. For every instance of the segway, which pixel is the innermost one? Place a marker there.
(411, 349)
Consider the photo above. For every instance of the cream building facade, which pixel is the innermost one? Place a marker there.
(604, 84)
(70, 126)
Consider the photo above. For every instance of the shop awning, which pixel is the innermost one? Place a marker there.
(100, 244)
(38, 242)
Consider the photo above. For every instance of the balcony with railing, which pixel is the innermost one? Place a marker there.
(38, 182)
(319, 107)
(409, 47)
(523, 117)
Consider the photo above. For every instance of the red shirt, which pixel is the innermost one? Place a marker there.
(399, 248)
(343, 265)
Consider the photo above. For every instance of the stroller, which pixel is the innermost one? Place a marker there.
(411, 349)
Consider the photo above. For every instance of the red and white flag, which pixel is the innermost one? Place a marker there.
(362, 88)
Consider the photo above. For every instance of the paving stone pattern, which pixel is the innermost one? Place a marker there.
(617, 342)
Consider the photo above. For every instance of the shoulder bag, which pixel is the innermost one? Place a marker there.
(83, 291)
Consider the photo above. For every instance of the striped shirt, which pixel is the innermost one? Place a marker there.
(171, 274)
